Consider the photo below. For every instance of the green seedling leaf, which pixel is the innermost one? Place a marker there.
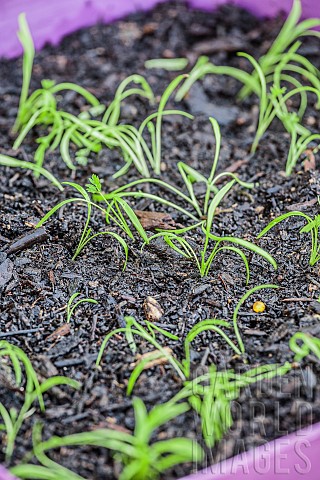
(133, 219)
(26, 41)
(170, 64)
(72, 305)
(15, 163)
(95, 185)
(250, 246)
(303, 344)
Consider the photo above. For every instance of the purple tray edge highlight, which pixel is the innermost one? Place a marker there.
(49, 21)
(5, 475)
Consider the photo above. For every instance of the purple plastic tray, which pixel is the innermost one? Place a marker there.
(290, 457)
(4, 475)
(50, 21)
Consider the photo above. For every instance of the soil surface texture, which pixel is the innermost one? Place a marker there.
(36, 282)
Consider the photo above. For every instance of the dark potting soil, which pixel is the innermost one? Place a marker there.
(37, 282)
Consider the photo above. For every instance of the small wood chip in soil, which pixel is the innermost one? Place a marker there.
(257, 333)
(152, 309)
(302, 206)
(310, 161)
(157, 358)
(59, 332)
(153, 220)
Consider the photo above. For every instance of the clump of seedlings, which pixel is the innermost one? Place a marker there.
(135, 148)
(190, 176)
(132, 327)
(311, 227)
(40, 108)
(139, 456)
(287, 40)
(212, 246)
(116, 206)
(274, 80)
(213, 197)
(21, 377)
(274, 101)
(87, 130)
(211, 395)
(115, 211)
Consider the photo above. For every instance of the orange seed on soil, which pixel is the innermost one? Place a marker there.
(258, 307)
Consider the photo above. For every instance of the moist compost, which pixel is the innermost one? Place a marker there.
(37, 275)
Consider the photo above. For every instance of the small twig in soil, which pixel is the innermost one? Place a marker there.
(71, 362)
(36, 236)
(205, 357)
(20, 332)
(4, 239)
(75, 418)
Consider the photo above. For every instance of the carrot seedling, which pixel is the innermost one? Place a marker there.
(211, 396)
(117, 211)
(312, 227)
(26, 380)
(72, 304)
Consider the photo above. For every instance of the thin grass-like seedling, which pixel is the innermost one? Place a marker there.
(170, 64)
(7, 161)
(33, 391)
(27, 43)
(204, 257)
(204, 67)
(134, 328)
(312, 227)
(211, 395)
(112, 113)
(72, 304)
(153, 155)
(303, 344)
